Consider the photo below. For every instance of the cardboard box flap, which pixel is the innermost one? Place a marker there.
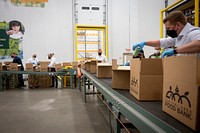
(182, 68)
(135, 65)
(114, 64)
(147, 66)
(104, 64)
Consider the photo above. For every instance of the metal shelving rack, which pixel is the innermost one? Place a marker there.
(87, 41)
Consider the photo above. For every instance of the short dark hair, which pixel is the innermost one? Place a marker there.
(174, 17)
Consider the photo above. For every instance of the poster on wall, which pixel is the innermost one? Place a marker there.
(29, 3)
(11, 39)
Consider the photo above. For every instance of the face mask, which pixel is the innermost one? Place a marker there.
(12, 56)
(172, 33)
(99, 53)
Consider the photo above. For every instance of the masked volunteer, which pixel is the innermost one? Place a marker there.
(52, 68)
(33, 79)
(184, 38)
(17, 60)
(101, 57)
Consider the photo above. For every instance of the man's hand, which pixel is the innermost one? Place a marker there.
(140, 45)
(169, 52)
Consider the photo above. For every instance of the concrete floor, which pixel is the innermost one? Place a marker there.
(49, 111)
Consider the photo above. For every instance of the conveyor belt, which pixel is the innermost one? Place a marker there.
(153, 107)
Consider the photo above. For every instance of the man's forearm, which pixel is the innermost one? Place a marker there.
(153, 43)
(192, 47)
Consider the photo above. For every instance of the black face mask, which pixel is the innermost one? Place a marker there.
(172, 33)
(12, 56)
(99, 53)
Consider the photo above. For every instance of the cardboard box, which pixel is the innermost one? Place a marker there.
(14, 67)
(181, 89)
(58, 67)
(93, 66)
(66, 64)
(88, 65)
(182, 68)
(146, 79)
(121, 78)
(7, 62)
(104, 70)
(75, 64)
(29, 67)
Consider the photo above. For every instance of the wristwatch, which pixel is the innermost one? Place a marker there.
(175, 52)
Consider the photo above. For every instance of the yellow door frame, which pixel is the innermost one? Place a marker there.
(88, 27)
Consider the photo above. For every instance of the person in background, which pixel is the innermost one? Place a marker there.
(52, 68)
(17, 60)
(101, 57)
(184, 37)
(33, 79)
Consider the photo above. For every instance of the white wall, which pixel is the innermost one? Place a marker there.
(48, 29)
(132, 21)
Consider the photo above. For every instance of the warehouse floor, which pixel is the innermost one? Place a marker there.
(50, 111)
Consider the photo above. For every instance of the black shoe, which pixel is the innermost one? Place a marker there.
(52, 86)
(36, 86)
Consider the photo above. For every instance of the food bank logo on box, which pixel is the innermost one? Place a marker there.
(178, 103)
(134, 82)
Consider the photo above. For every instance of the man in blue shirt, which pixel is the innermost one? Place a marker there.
(17, 60)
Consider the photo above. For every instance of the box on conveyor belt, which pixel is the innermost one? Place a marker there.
(181, 89)
(120, 76)
(146, 80)
(104, 70)
(88, 65)
(93, 66)
(29, 67)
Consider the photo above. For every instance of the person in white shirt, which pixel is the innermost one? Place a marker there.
(33, 79)
(33, 60)
(184, 38)
(101, 57)
(52, 68)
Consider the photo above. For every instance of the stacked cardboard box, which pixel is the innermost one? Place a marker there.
(13, 82)
(120, 76)
(146, 81)
(181, 89)
(44, 80)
